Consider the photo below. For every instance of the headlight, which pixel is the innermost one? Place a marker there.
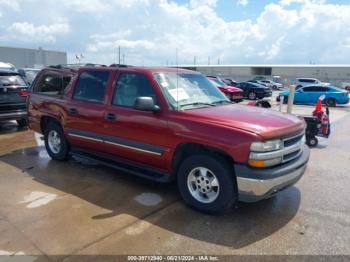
(267, 146)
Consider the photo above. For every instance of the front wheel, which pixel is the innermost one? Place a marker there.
(55, 142)
(207, 183)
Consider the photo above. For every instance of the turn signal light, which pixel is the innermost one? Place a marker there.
(256, 163)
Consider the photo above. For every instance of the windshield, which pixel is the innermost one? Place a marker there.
(184, 91)
(9, 79)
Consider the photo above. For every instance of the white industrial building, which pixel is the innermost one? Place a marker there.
(32, 58)
(286, 73)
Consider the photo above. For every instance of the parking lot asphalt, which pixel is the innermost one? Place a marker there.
(52, 210)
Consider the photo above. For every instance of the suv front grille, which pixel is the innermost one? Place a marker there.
(292, 147)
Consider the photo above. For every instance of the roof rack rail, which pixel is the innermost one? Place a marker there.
(74, 66)
(119, 65)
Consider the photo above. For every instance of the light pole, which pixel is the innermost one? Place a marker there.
(79, 57)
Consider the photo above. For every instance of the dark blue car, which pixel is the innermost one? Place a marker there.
(310, 95)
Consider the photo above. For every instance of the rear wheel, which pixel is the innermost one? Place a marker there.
(312, 141)
(331, 102)
(285, 100)
(252, 96)
(55, 142)
(207, 183)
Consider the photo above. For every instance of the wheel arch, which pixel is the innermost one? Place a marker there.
(45, 120)
(184, 150)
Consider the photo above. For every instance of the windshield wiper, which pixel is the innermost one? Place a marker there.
(222, 102)
(197, 104)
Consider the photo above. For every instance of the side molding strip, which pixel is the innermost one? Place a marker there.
(150, 149)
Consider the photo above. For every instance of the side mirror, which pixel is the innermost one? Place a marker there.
(145, 103)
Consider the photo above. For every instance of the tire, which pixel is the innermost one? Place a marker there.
(331, 102)
(285, 100)
(22, 122)
(252, 96)
(55, 142)
(222, 192)
(312, 141)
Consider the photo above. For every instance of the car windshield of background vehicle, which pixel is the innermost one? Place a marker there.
(186, 91)
(11, 80)
(219, 82)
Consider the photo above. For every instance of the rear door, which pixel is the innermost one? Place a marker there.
(136, 135)
(85, 109)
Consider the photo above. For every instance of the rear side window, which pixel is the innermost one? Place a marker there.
(91, 86)
(311, 89)
(307, 80)
(51, 84)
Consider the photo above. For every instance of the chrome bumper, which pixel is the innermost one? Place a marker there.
(261, 187)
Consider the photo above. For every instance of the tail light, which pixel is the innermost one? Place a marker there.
(23, 93)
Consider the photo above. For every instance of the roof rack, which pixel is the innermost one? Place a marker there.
(120, 65)
(74, 66)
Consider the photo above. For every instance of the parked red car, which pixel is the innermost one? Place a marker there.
(233, 93)
(168, 124)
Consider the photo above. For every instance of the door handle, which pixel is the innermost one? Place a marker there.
(73, 111)
(111, 117)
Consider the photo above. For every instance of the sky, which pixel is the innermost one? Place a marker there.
(169, 32)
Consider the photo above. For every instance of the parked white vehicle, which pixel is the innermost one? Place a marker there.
(272, 84)
(301, 82)
(7, 66)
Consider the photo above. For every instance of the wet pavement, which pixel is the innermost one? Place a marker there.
(52, 210)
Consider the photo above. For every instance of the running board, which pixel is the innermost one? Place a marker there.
(124, 165)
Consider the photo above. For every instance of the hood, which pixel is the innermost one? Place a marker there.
(264, 122)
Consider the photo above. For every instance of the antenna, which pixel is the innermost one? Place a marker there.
(177, 80)
(119, 55)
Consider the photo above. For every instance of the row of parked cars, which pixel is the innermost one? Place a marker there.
(308, 90)
(13, 92)
(238, 91)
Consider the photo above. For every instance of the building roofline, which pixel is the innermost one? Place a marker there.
(34, 49)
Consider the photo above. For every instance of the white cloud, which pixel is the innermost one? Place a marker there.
(13, 4)
(30, 33)
(242, 2)
(93, 6)
(150, 31)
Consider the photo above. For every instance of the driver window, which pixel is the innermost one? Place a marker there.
(130, 86)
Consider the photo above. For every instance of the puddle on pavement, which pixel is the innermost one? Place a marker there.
(11, 253)
(148, 199)
(38, 139)
(37, 199)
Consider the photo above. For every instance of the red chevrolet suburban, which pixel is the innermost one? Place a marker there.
(168, 124)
